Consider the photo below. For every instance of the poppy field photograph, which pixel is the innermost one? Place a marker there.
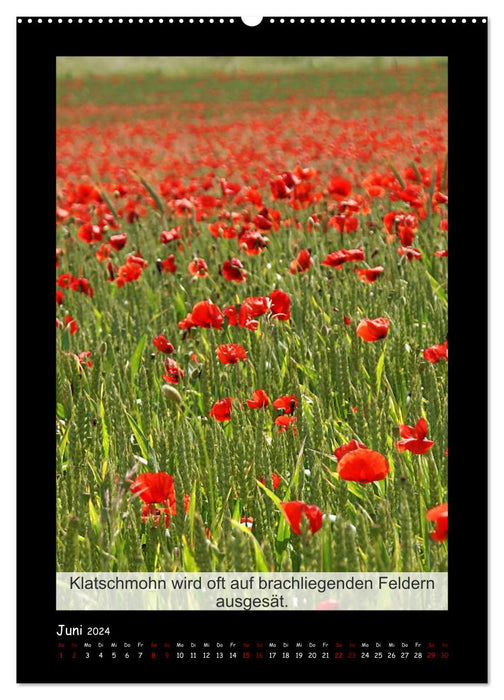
(252, 314)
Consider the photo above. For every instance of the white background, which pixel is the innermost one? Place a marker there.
(475, 316)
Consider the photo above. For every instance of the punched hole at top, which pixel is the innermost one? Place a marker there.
(251, 21)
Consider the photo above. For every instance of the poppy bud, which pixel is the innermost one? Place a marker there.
(171, 393)
(325, 331)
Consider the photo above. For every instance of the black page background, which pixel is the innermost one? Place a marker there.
(466, 618)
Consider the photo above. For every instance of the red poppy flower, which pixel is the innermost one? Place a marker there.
(206, 315)
(128, 273)
(346, 320)
(363, 465)
(69, 323)
(258, 400)
(82, 357)
(81, 284)
(436, 352)
(410, 253)
(233, 271)
(155, 487)
(59, 297)
(287, 404)
(371, 330)
(174, 373)
(295, 510)
(339, 187)
(342, 450)
(439, 515)
(169, 264)
(302, 263)
(118, 241)
(103, 252)
(441, 253)
(163, 344)
(231, 353)
(90, 233)
(370, 274)
(198, 268)
(284, 421)
(339, 257)
(280, 305)
(252, 242)
(275, 481)
(414, 438)
(221, 410)
(169, 236)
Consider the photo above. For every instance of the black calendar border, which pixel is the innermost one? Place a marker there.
(464, 625)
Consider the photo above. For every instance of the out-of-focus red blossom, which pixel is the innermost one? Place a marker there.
(169, 265)
(294, 511)
(436, 352)
(339, 187)
(369, 274)
(231, 353)
(302, 263)
(374, 329)
(248, 522)
(414, 438)
(103, 252)
(77, 284)
(439, 515)
(198, 268)
(363, 465)
(446, 452)
(263, 220)
(346, 320)
(69, 323)
(280, 305)
(287, 404)
(401, 224)
(252, 242)
(340, 451)
(118, 241)
(233, 271)
(59, 297)
(129, 272)
(439, 198)
(171, 235)
(284, 421)
(339, 257)
(205, 315)
(174, 373)
(344, 223)
(441, 253)
(275, 479)
(410, 253)
(82, 358)
(221, 410)
(163, 344)
(90, 233)
(259, 399)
